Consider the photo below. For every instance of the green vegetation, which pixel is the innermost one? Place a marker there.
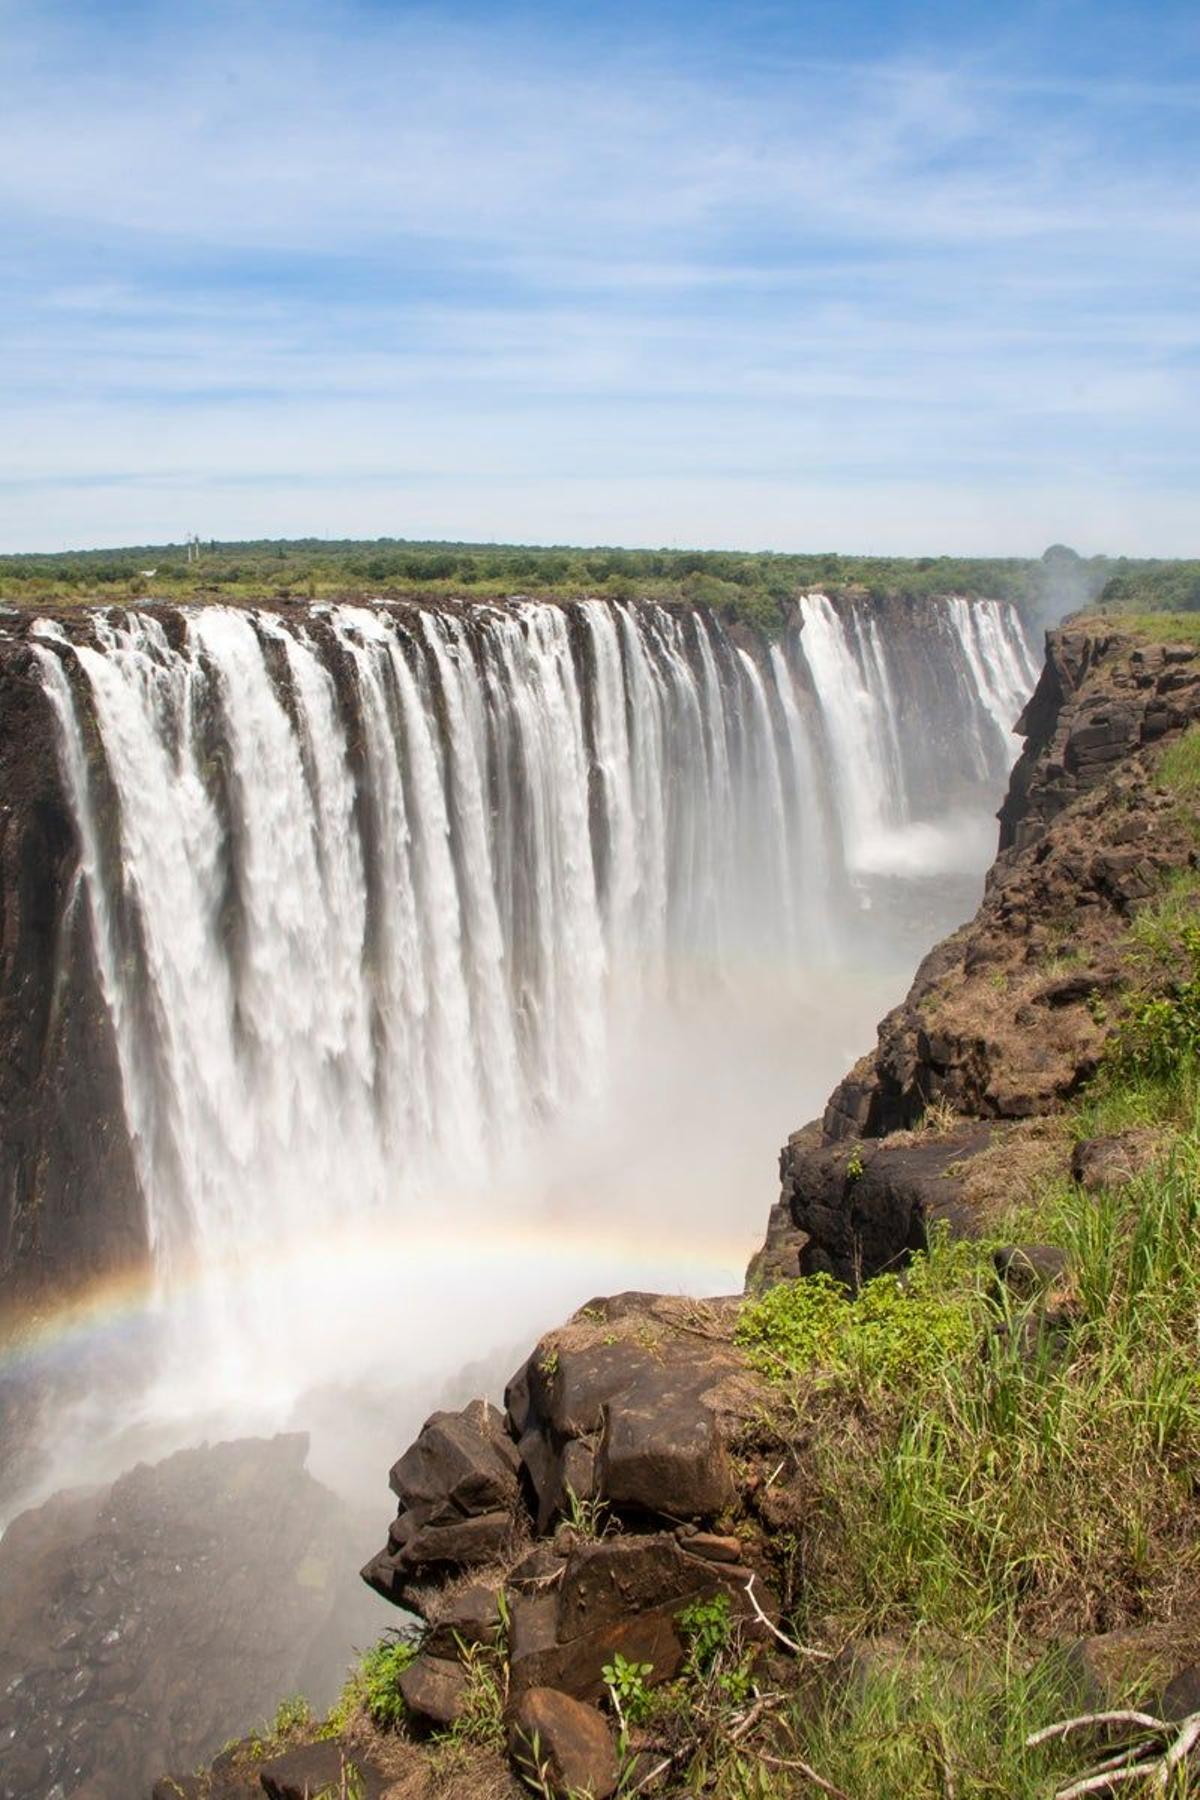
(968, 1513)
(1152, 587)
(896, 1330)
(1179, 769)
(373, 1686)
(757, 587)
(626, 1683)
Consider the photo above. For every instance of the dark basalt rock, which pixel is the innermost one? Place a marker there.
(1112, 1161)
(629, 1405)
(622, 1594)
(866, 1206)
(470, 1616)
(462, 1464)
(458, 1491)
(314, 1770)
(1181, 1697)
(563, 1745)
(434, 1690)
(1028, 1270)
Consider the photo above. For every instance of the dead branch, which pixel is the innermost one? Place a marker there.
(805, 1769)
(1155, 1756)
(1093, 1722)
(787, 1642)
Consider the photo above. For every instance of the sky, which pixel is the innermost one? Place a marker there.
(865, 275)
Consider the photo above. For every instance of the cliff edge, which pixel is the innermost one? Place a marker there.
(931, 1485)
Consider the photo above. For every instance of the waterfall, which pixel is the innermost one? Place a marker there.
(378, 892)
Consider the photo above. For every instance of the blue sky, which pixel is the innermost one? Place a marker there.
(878, 277)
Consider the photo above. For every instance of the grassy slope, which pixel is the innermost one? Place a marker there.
(985, 1509)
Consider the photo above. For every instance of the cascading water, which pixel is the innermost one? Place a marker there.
(397, 910)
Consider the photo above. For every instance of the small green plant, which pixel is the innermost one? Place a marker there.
(589, 1516)
(377, 1682)
(1097, 1009)
(481, 1719)
(534, 1768)
(715, 1657)
(291, 1715)
(854, 1164)
(707, 1627)
(549, 1363)
(626, 1682)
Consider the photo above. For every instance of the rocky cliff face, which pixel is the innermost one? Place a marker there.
(139, 1621)
(69, 1202)
(1006, 1019)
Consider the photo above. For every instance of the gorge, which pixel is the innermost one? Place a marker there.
(382, 980)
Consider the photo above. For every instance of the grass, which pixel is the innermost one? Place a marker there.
(1179, 766)
(1158, 627)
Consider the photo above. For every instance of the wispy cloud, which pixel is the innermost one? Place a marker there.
(430, 265)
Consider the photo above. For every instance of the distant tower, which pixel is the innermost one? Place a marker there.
(192, 541)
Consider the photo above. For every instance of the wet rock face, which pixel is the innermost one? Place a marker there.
(144, 1624)
(69, 1202)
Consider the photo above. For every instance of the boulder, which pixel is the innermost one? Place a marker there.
(434, 1689)
(1181, 1697)
(469, 1616)
(1119, 1668)
(459, 1493)
(620, 1594)
(1029, 1270)
(312, 1771)
(866, 1207)
(561, 1746)
(461, 1464)
(632, 1403)
(1112, 1161)
(661, 1451)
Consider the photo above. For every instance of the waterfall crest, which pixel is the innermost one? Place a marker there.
(372, 889)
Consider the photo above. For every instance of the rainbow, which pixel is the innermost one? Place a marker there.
(425, 1261)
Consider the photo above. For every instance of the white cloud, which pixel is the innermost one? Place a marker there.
(248, 251)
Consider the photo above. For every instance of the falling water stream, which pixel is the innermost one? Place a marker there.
(465, 962)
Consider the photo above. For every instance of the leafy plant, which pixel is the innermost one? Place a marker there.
(714, 1652)
(291, 1715)
(590, 1517)
(1160, 1034)
(626, 1682)
(894, 1331)
(376, 1684)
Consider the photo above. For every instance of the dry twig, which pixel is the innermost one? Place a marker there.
(787, 1642)
(1155, 1756)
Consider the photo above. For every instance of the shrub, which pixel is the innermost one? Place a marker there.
(375, 1685)
(897, 1330)
(1159, 1037)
